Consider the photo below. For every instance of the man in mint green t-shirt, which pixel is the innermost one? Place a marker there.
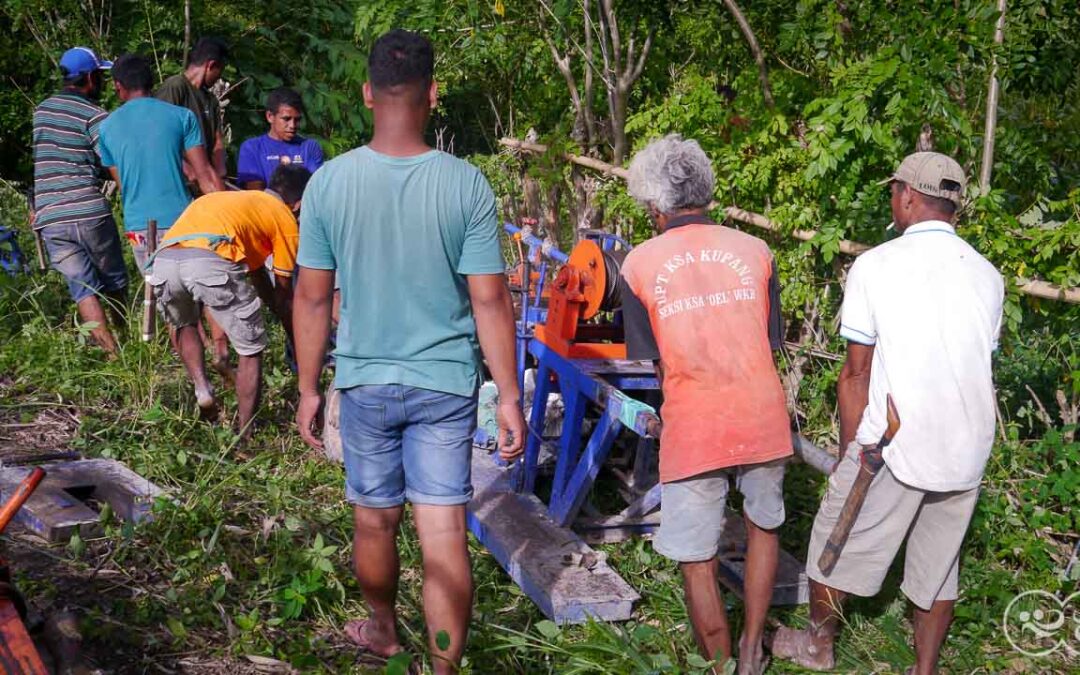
(143, 144)
(411, 234)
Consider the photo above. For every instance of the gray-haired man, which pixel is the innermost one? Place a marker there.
(702, 302)
(921, 316)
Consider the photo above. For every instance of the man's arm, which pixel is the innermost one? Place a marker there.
(115, 174)
(312, 304)
(219, 156)
(853, 390)
(493, 310)
(208, 180)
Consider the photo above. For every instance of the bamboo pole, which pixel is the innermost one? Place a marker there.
(149, 315)
(1032, 287)
(994, 91)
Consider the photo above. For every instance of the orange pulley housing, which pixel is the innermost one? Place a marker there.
(576, 296)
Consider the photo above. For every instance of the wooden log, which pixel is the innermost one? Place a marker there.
(1033, 287)
(149, 314)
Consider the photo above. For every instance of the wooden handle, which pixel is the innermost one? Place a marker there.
(149, 311)
(21, 494)
(39, 245)
(852, 506)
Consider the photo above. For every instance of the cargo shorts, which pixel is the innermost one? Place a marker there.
(932, 523)
(185, 278)
(692, 513)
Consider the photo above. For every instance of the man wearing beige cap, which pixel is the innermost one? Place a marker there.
(921, 315)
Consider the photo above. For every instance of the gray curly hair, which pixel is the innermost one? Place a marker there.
(671, 174)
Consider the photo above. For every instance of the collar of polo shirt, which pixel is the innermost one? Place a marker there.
(930, 226)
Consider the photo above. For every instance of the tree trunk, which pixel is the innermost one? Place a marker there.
(755, 49)
(992, 105)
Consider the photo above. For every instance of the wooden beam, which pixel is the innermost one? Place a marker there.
(1033, 287)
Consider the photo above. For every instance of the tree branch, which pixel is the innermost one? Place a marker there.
(748, 33)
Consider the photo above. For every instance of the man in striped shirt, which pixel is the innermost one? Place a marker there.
(70, 211)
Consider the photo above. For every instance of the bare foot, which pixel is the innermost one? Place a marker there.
(227, 372)
(364, 634)
(803, 648)
(752, 660)
(208, 409)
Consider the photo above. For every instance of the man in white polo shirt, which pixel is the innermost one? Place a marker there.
(921, 314)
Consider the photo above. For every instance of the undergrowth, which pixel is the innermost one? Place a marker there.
(250, 553)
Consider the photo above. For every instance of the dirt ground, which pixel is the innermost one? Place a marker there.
(34, 433)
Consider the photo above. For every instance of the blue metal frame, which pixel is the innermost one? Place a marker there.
(582, 382)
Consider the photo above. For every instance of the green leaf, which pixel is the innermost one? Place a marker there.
(548, 629)
(697, 661)
(176, 627)
(442, 640)
(398, 664)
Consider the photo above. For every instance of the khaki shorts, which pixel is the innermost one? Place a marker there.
(692, 513)
(934, 524)
(186, 278)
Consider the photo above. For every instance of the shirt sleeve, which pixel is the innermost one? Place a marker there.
(247, 163)
(776, 317)
(192, 133)
(481, 252)
(93, 127)
(286, 239)
(640, 340)
(316, 250)
(857, 315)
(170, 93)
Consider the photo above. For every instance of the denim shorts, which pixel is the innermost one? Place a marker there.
(693, 509)
(404, 443)
(88, 254)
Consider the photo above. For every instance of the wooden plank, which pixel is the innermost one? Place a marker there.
(539, 555)
(54, 512)
(791, 586)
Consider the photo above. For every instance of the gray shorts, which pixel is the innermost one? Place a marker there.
(184, 278)
(934, 524)
(692, 513)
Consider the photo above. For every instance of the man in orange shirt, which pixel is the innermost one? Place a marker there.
(215, 255)
(702, 301)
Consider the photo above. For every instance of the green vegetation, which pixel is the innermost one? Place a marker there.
(252, 556)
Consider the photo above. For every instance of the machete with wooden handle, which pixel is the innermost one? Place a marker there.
(870, 462)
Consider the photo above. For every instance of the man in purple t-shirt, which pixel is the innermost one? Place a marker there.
(259, 156)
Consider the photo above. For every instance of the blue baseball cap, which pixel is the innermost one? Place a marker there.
(79, 61)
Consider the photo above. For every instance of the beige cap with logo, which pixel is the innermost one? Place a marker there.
(932, 173)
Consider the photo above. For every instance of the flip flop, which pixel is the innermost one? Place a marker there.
(798, 647)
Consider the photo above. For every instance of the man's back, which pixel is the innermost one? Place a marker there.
(146, 139)
(177, 90)
(931, 305)
(256, 224)
(706, 290)
(67, 174)
(401, 233)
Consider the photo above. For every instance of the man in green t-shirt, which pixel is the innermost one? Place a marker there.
(412, 236)
(191, 89)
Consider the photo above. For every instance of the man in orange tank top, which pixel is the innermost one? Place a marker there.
(702, 302)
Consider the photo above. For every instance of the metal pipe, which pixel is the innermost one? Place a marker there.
(812, 455)
(532, 240)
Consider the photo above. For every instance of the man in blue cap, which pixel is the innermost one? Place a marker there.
(69, 209)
